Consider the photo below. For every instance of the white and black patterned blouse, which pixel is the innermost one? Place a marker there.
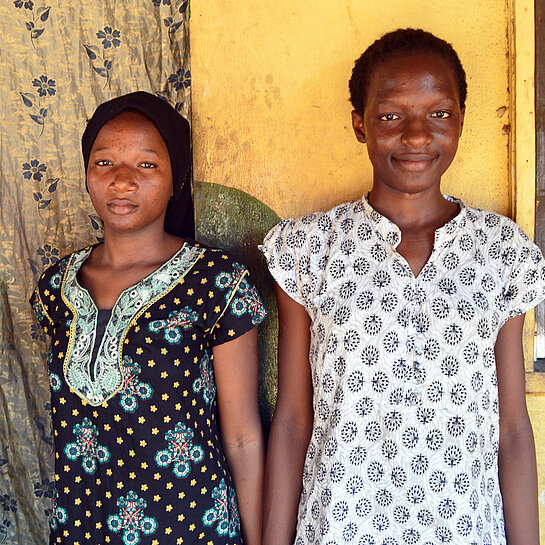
(406, 429)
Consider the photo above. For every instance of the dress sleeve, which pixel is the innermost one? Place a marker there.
(46, 296)
(39, 310)
(524, 272)
(237, 306)
(286, 248)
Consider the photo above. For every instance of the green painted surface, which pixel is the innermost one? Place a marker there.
(237, 222)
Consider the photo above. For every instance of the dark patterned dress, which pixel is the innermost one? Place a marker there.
(138, 456)
(404, 449)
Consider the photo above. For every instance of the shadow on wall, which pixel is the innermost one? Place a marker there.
(231, 219)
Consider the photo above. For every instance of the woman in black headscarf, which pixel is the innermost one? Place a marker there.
(153, 355)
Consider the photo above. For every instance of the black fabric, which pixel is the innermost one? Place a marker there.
(102, 321)
(146, 466)
(175, 130)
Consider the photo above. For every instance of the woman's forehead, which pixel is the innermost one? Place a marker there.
(409, 73)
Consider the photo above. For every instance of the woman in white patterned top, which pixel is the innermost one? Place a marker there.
(401, 415)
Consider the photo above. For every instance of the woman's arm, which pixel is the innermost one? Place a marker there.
(291, 426)
(236, 369)
(517, 458)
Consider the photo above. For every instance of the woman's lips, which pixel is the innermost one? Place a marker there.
(121, 206)
(414, 163)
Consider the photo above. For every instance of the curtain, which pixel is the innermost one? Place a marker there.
(58, 61)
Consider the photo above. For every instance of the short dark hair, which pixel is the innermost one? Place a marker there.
(396, 43)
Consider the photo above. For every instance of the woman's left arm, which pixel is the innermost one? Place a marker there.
(236, 369)
(517, 459)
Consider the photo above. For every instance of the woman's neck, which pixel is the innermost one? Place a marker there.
(123, 250)
(413, 211)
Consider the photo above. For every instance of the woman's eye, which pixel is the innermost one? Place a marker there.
(103, 163)
(146, 164)
(441, 114)
(389, 117)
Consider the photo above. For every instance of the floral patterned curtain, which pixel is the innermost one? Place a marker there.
(58, 61)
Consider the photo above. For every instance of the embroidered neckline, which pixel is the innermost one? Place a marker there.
(107, 368)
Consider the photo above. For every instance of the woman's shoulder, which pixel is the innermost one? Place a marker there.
(495, 226)
(216, 259)
(322, 222)
(60, 266)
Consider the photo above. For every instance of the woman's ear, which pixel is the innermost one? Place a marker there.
(357, 124)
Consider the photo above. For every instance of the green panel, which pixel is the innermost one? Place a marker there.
(237, 222)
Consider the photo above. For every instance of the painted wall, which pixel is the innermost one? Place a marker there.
(271, 115)
(270, 89)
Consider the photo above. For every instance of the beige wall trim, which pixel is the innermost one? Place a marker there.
(522, 140)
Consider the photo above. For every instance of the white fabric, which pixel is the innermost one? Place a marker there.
(406, 428)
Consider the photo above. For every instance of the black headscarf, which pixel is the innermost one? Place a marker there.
(174, 129)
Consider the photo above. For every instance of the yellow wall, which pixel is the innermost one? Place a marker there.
(270, 96)
(271, 114)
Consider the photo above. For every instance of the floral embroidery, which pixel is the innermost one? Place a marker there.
(108, 378)
(246, 299)
(28, 4)
(56, 280)
(206, 381)
(181, 79)
(36, 18)
(181, 451)
(37, 332)
(225, 280)
(131, 519)
(44, 489)
(34, 170)
(87, 447)
(132, 388)
(48, 254)
(56, 515)
(44, 190)
(45, 86)
(249, 302)
(55, 382)
(177, 321)
(224, 512)
(110, 37)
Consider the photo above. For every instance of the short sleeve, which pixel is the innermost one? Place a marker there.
(237, 306)
(46, 297)
(39, 311)
(287, 251)
(523, 270)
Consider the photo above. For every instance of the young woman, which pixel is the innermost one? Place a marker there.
(153, 363)
(401, 415)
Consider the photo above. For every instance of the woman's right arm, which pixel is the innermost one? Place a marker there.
(291, 425)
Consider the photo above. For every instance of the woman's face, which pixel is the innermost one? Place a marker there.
(412, 122)
(129, 176)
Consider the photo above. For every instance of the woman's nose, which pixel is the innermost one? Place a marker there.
(123, 178)
(416, 133)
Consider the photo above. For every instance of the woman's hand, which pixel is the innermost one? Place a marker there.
(291, 426)
(236, 370)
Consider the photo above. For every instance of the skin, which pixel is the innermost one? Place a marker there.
(411, 125)
(130, 183)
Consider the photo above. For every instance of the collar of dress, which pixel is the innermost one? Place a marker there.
(391, 233)
(99, 380)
